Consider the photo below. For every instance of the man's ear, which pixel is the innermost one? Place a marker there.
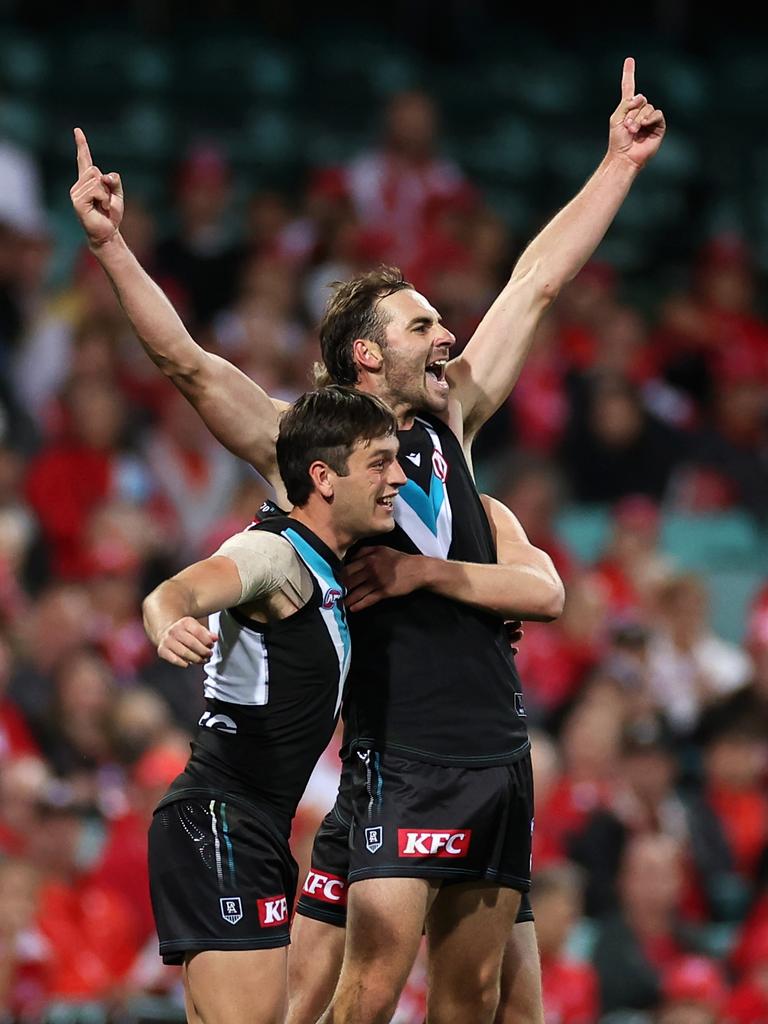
(322, 475)
(367, 355)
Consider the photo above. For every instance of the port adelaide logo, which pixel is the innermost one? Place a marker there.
(373, 839)
(231, 908)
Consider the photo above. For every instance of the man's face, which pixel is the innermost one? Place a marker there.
(415, 354)
(363, 499)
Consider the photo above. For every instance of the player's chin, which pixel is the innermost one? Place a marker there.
(383, 520)
(435, 398)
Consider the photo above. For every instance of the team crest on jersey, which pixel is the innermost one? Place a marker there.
(373, 838)
(439, 465)
(331, 597)
(231, 908)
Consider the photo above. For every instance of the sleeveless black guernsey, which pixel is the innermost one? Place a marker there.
(431, 678)
(273, 693)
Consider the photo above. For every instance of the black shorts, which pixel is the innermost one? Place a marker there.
(221, 877)
(324, 894)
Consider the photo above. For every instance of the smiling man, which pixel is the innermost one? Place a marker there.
(276, 660)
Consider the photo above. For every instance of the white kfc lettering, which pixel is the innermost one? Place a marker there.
(329, 888)
(433, 843)
(272, 911)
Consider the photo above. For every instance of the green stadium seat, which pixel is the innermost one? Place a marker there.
(584, 529)
(23, 122)
(728, 540)
(507, 152)
(24, 63)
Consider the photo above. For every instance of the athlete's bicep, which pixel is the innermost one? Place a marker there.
(267, 564)
(209, 586)
(505, 526)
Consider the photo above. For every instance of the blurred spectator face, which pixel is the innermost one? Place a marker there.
(63, 615)
(616, 416)
(684, 608)
(96, 414)
(84, 688)
(55, 845)
(650, 772)
(651, 875)
(686, 1013)
(741, 407)
(728, 287)
(586, 609)
(139, 719)
(23, 784)
(590, 739)
(267, 215)
(736, 760)
(556, 900)
(270, 284)
(534, 496)
(635, 528)
(19, 887)
(203, 187)
(621, 335)
(411, 125)
(94, 353)
(590, 295)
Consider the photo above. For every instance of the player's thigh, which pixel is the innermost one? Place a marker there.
(242, 986)
(521, 999)
(467, 931)
(314, 964)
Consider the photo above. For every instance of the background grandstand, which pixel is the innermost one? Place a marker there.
(264, 154)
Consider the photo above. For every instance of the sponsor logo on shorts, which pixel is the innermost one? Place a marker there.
(373, 839)
(433, 842)
(321, 885)
(331, 597)
(520, 705)
(439, 465)
(231, 908)
(272, 911)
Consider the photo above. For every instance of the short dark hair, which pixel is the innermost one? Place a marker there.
(325, 425)
(352, 313)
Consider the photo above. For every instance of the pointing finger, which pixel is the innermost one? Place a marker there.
(628, 79)
(84, 159)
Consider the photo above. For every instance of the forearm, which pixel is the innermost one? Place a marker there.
(529, 589)
(171, 601)
(562, 248)
(158, 326)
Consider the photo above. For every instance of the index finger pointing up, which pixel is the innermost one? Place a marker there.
(84, 159)
(628, 79)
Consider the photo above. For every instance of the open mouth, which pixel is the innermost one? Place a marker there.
(387, 502)
(436, 370)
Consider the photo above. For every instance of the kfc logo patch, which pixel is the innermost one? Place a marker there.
(329, 888)
(433, 842)
(272, 911)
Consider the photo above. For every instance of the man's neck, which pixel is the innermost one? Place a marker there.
(321, 524)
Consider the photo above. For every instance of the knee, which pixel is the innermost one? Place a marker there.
(363, 1001)
(470, 998)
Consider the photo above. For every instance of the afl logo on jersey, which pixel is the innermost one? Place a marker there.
(439, 465)
(331, 597)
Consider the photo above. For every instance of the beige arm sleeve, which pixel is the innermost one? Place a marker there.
(267, 563)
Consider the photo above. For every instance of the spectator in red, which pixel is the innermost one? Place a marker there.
(694, 992)
(15, 737)
(634, 949)
(729, 821)
(748, 1003)
(644, 802)
(71, 476)
(393, 187)
(25, 954)
(631, 565)
(570, 987)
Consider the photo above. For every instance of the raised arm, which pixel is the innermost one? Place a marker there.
(233, 407)
(523, 585)
(486, 371)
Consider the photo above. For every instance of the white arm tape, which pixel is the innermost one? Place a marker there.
(267, 563)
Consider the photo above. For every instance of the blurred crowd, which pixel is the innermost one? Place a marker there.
(650, 731)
